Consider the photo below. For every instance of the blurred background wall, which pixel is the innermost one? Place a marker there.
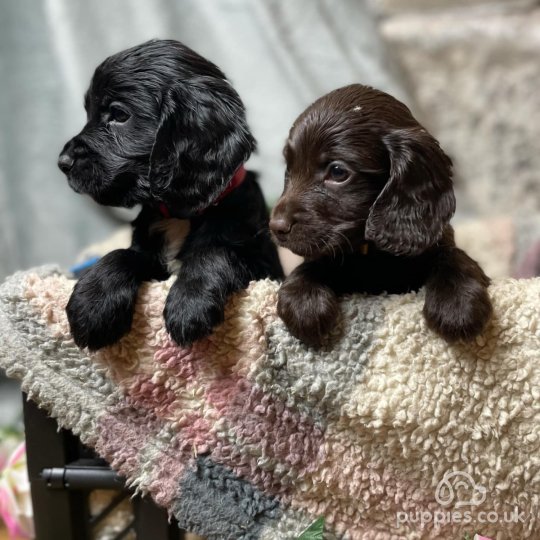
(473, 67)
(469, 69)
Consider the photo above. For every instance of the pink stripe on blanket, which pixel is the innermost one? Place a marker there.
(152, 395)
(206, 359)
(130, 440)
(181, 363)
(175, 404)
(123, 432)
(267, 431)
(165, 472)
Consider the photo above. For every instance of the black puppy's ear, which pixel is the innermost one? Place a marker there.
(416, 203)
(201, 140)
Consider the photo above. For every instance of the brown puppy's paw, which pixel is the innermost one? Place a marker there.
(310, 311)
(459, 315)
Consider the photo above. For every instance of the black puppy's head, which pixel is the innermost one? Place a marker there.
(164, 126)
(360, 167)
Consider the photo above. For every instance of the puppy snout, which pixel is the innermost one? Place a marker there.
(283, 219)
(70, 153)
(65, 162)
(280, 226)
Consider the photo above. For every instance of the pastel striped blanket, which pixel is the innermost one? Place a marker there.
(391, 434)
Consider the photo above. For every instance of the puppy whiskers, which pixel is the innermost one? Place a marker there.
(342, 252)
(346, 240)
(262, 232)
(329, 247)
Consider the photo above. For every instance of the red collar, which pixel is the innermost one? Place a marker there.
(238, 178)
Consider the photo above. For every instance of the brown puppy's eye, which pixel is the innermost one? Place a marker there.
(337, 173)
(118, 115)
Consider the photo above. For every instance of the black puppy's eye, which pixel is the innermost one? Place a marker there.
(337, 173)
(118, 115)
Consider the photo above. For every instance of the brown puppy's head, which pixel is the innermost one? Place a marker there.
(361, 168)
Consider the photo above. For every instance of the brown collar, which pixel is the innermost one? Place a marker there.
(364, 248)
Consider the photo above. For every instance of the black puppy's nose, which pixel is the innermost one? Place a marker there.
(73, 150)
(65, 162)
(280, 226)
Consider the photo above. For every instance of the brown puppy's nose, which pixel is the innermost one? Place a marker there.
(280, 226)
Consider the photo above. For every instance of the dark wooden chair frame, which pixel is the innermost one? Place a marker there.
(62, 474)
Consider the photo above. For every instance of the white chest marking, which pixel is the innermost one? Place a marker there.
(174, 233)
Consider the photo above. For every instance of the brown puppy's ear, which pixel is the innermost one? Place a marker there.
(416, 203)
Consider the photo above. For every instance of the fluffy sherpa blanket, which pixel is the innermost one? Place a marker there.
(391, 434)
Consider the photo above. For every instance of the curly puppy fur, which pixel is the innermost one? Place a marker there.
(367, 202)
(166, 130)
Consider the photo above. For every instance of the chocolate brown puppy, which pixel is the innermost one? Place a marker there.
(367, 202)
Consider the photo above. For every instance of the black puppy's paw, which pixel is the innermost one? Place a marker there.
(310, 311)
(459, 314)
(99, 315)
(190, 317)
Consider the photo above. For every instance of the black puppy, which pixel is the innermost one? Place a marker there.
(167, 130)
(367, 201)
